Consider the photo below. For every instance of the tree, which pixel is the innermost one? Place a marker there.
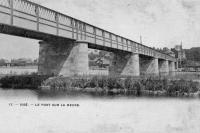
(193, 54)
(2, 62)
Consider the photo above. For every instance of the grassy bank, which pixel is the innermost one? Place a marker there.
(104, 85)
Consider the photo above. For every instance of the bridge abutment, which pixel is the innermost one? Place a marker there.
(126, 64)
(149, 66)
(63, 58)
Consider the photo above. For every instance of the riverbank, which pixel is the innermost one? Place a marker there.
(129, 86)
(105, 85)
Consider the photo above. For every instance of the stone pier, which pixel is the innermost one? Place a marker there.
(171, 68)
(126, 64)
(163, 67)
(149, 66)
(63, 58)
(176, 65)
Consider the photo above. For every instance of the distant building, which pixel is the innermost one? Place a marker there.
(21, 62)
(99, 59)
(102, 62)
(179, 54)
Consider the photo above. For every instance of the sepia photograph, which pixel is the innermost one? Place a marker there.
(99, 66)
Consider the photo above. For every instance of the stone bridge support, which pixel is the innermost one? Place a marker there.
(63, 58)
(126, 64)
(149, 66)
(176, 65)
(171, 68)
(163, 67)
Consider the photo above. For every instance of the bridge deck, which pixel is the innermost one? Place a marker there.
(34, 18)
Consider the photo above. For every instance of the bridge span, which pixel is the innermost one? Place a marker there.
(65, 41)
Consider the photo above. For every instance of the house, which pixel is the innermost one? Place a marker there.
(102, 62)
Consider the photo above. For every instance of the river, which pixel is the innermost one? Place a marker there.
(96, 115)
(33, 69)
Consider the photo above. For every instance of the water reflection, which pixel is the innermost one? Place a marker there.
(17, 93)
(55, 95)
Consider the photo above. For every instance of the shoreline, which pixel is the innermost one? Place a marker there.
(105, 85)
(99, 92)
(149, 87)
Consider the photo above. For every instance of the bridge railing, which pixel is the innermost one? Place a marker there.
(31, 16)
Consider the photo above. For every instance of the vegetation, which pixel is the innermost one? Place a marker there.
(151, 86)
(126, 86)
(22, 81)
(193, 54)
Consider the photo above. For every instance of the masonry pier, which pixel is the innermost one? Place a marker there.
(126, 64)
(149, 66)
(70, 58)
(163, 67)
(63, 58)
(171, 68)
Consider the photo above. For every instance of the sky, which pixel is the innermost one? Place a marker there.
(161, 23)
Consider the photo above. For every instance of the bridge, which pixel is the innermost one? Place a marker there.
(65, 41)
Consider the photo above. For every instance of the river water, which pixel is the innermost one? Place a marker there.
(96, 115)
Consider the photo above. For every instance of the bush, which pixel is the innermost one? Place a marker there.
(155, 84)
(112, 84)
(80, 83)
(99, 82)
(129, 83)
(58, 83)
(182, 87)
